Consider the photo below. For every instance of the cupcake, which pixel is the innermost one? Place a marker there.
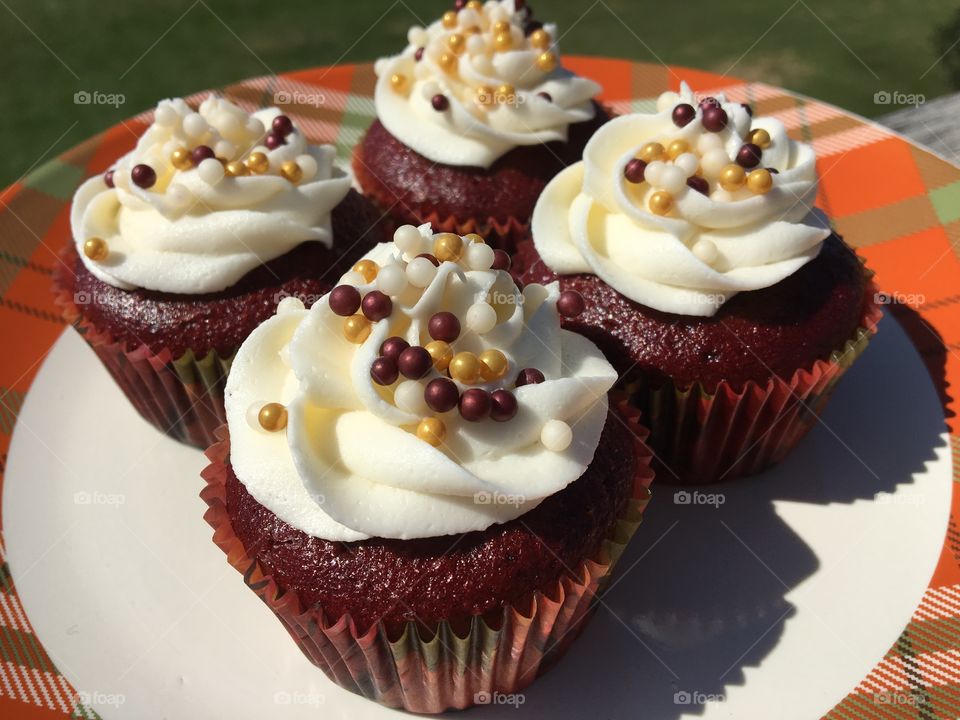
(423, 476)
(721, 296)
(473, 119)
(188, 242)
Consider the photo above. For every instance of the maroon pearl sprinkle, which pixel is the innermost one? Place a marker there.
(708, 101)
(570, 304)
(474, 404)
(384, 371)
(376, 305)
(431, 258)
(444, 326)
(747, 108)
(414, 362)
(683, 114)
(274, 140)
(503, 405)
(545, 95)
(501, 260)
(441, 395)
(282, 125)
(531, 27)
(529, 376)
(440, 102)
(201, 153)
(393, 346)
(698, 184)
(748, 155)
(418, 55)
(143, 176)
(715, 118)
(459, 4)
(108, 178)
(344, 300)
(633, 170)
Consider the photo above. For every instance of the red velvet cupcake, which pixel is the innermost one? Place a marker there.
(722, 298)
(473, 119)
(189, 243)
(424, 478)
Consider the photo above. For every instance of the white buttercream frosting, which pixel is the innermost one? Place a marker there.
(707, 247)
(500, 93)
(196, 230)
(350, 464)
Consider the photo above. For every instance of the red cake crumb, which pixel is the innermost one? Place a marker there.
(756, 334)
(450, 577)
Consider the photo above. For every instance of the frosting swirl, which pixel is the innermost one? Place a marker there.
(477, 83)
(681, 209)
(204, 198)
(375, 443)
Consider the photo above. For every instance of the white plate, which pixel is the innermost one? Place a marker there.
(785, 596)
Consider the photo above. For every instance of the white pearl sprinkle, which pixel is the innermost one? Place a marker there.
(714, 161)
(653, 171)
(672, 179)
(408, 239)
(195, 126)
(353, 278)
(667, 101)
(556, 435)
(225, 149)
(420, 272)
(481, 318)
(688, 162)
(709, 141)
(408, 396)
(289, 304)
(533, 296)
(705, 250)
(210, 171)
(391, 280)
(479, 256)
(308, 165)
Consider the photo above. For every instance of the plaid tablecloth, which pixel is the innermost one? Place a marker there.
(899, 204)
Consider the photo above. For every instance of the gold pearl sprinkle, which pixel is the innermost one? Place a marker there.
(501, 26)
(291, 171)
(760, 181)
(450, 19)
(547, 61)
(465, 367)
(502, 41)
(484, 95)
(475, 5)
(448, 247)
(432, 431)
(760, 138)
(493, 365)
(474, 238)
(272, 417)
(258, 162)
(398, 82)
(181, 159)
(368, 269)
(661, 202)
(540, 39)
(441, 353)
(677, 148)
(456, 43)
(447, 61)
(96, 249)
(356, 328)
(235, 168)
(506, 93)
(732, 177)
(651, 151)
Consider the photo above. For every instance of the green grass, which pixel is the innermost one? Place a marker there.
(839, 52)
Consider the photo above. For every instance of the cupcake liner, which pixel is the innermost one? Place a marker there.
(700, 437)
(180, 396)
(431, 670)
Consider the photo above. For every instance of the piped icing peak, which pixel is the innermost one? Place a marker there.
(205, 197)
(425, 395)
(480, 81)
(683, 208)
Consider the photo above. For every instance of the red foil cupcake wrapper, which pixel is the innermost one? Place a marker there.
(429, 671)
(180, 396)
(700, 437)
